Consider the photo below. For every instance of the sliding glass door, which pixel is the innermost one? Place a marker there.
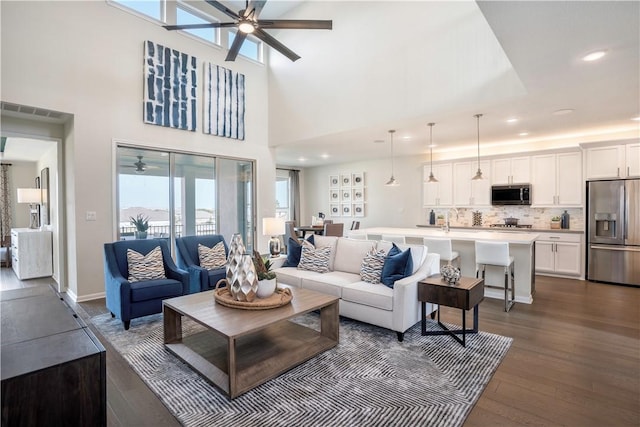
(182, 194)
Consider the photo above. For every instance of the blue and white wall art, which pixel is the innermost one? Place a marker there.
(224, 104)
(169, 87)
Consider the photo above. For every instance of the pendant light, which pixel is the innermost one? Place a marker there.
(392, 181)
(431, 177)
(478, 174)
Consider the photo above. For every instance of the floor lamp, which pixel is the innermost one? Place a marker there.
(31, 196)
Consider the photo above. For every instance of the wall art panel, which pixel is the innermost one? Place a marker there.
(169, 87)
(224, 102)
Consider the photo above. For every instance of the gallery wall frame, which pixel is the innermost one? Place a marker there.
(347, 194)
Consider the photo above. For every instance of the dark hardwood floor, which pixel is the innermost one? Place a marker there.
(574, 361)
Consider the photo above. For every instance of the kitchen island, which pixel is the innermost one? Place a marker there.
(521, 247)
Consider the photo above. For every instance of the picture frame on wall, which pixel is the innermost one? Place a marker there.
(334, 209)
(346, 210)
(345, 180)
(358, 195)
(346, 195)
(358, 210)
(334, 196)
(357, 179)
(334, 181)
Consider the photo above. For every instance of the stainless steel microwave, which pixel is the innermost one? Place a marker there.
(519, 194)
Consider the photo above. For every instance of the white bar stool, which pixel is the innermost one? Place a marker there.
(394, 238)
(442, 246)
(497, 254)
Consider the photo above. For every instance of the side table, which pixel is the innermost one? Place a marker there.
(466, 294)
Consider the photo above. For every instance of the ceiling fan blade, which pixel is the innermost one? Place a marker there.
(235, 47)
(223, 9)
(196, 26)
(308, 24)
(255, 6)
(259, 33)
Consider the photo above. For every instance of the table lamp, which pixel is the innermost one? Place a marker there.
(273, 227)
(32, 196)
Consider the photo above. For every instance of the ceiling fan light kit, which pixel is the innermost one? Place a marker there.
(478, 174)
(246, 21)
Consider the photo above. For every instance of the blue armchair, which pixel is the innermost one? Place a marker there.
(200, 279)
(129, 300)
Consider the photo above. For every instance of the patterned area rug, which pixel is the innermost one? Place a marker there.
(369, 379)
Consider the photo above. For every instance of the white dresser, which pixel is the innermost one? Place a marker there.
(31, 253)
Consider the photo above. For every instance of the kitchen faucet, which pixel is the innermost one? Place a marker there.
(446, 229)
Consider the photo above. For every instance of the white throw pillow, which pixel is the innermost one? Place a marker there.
(212, 258)
(145, 267)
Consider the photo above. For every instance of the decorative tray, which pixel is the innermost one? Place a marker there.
(279, 298)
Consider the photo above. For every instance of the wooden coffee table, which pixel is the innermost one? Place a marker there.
(241, 349)
(465, 295)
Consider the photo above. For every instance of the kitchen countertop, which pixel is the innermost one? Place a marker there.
(506, 229)
(526, 238)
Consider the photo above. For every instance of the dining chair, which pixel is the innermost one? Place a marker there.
(331, 229)
(289, 231)
(355, 225)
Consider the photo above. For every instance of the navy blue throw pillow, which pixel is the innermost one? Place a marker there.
(397, 265)
(294, 251)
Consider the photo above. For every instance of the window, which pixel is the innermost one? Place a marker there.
(283, 195)
(188, 16)
(181, 13)
(250, 48)
(184, 194)
(151, 8)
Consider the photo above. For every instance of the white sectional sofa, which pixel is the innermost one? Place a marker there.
(397, 309)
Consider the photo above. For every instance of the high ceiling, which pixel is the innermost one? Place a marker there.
(524, 62)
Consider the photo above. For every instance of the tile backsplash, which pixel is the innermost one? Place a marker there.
(536, 217)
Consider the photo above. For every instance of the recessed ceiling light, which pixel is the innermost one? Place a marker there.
(512, 120)
(324, 156)
(302, 159)
(637, 119)
(594, 56)
(523, 133)
(432, 145)
(563, 112)
(406, 137)
(378, 141)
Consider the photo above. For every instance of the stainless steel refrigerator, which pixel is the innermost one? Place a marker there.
(613, 224)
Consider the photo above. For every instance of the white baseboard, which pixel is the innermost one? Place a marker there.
(84, 298)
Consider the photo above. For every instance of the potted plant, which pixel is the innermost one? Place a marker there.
(555, 222)
(141, 223)
(267, 283)
(440, 220)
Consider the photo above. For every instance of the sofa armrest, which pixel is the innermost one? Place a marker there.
(117, 288)
(406, 308)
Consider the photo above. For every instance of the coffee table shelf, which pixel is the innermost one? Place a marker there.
(242, 349)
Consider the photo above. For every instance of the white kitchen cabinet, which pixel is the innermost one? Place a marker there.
(557, 179)
(469, 192)
(438, 193)
(613, 161)
(31, 253)
(632, 157)
(515, 170)
(559, 254)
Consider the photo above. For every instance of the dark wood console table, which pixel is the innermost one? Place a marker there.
(53, 368)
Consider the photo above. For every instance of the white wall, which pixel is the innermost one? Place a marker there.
(86, 59)
(399, 206)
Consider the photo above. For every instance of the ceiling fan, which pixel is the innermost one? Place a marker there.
(247, 22)
(140, 166)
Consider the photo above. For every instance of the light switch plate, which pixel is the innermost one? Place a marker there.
(90, 216)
